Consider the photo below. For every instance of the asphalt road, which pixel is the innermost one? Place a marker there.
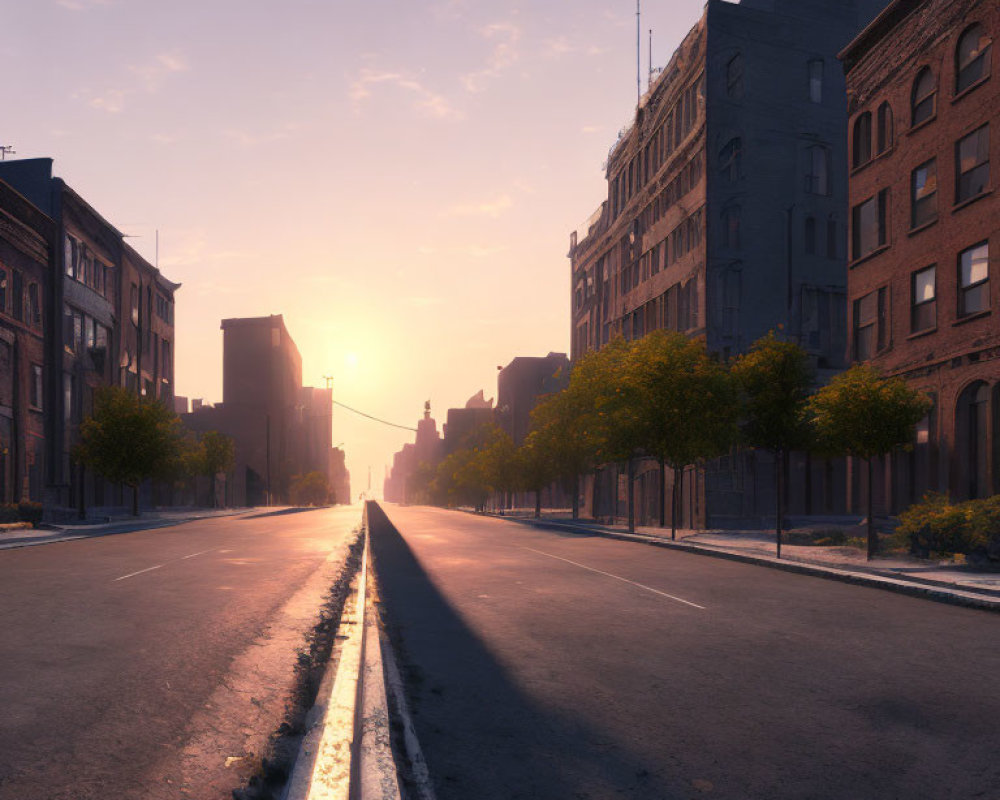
(553, 665)
(155, 664)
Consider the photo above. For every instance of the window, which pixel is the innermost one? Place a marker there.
(924, 92)
(868, 230)
(972, 58)
(731, 226)
(883, 135)
(923, 300)
(974, 279)
(34, 305)
(810, 235)
(17, 296)
(972, 164)
(816, 80)
(923, 194)
(831, 238)
(818, 177)
(731, 159)
(3, 291)
(77, 331)
(135, 304)
(865, 324)
(36, 386)
(69, 251)
(862, 153)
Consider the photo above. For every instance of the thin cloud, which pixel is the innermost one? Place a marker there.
(491, 208)
(81, 5)
(150, 75)
(504, 55)
(425, 100)
(256, 138)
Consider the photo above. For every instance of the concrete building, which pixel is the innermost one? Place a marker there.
(463, 421)
(726, 217)
(924, 112)
(521, 384)
(425, 449)
(100, 326)
(26, 237)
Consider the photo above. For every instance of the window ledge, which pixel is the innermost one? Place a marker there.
(923, 227)
(924, 332)
(971, 317)
(970, 200)
(914, 128)
(868, 256)
(36, 409)
(969, 89)
(861, 167)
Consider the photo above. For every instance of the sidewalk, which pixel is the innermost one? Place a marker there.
(147, 520)
(943, 580)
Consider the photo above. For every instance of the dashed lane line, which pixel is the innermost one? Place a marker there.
(150, 569)
(139, 572)
(616, 577)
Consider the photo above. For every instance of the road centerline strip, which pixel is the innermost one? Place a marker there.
(616, 577)
(139, 572)
(199, 553)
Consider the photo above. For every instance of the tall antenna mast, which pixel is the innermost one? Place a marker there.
(649, 83)
(6, 150)
(638, 51)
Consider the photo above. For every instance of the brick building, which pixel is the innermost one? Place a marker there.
(26, 236)
(726, 218)
(94, 337)
(924, 112)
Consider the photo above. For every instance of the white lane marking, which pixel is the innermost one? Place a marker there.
(199, 553)
(132, 574)
(616, 577)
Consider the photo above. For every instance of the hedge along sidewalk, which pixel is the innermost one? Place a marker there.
(948, 583)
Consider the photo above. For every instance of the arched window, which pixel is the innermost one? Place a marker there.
(883, 136)
(972, 57)
(924, 92)
(810, 235)
(731, 226)
(818, 176)
(731, 160)
(862, 139)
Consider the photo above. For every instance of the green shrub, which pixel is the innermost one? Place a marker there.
(21, 512)
(938, 527)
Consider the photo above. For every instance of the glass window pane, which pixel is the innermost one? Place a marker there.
(923, 286)
(975, 299)
(975, 264)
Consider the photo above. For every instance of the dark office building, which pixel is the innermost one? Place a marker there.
(726, 217)
(521, 384)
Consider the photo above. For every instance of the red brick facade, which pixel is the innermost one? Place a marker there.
(923, 294)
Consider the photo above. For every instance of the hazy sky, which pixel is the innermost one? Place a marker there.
(399, 178)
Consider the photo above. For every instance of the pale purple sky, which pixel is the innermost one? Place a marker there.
(398, 178)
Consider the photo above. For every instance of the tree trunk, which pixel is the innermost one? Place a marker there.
(538, 503)
(663, 494)
(872, 538)
(135, 500)
(576, 497)
(82, 504)
(779, 498)
(678, 477)
(631, 495)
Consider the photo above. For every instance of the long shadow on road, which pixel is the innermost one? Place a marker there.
(482, 736)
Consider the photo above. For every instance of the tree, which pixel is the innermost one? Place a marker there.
(129, 439)
(309, 489)
(218, 455)
(679, 402)
(535, 467)
(865, 415)
(775, 378)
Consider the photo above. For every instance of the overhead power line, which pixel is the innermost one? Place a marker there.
(369, 416)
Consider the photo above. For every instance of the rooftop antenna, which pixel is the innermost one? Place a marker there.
(638, 49)
(156, 257)
(649, 84)
(6, 150)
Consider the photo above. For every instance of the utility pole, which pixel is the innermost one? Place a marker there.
(267, 451)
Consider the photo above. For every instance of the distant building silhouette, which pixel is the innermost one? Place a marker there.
(463, 421)
(425, 450)
(521, 384)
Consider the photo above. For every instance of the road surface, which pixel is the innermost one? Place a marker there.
(155, 664)
(556, 665)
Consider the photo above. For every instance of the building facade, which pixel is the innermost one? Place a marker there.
(726, 217)
(922, 289)
(26, 237)
(521, 384)
(93, 337)
(426, 449)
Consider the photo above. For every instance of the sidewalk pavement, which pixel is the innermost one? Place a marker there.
(147, 520)
(948, 581)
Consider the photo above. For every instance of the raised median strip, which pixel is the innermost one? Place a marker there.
(986, 599)
(346, 752)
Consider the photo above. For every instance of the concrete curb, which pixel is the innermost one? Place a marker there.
(959, 597)
(346, 753)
